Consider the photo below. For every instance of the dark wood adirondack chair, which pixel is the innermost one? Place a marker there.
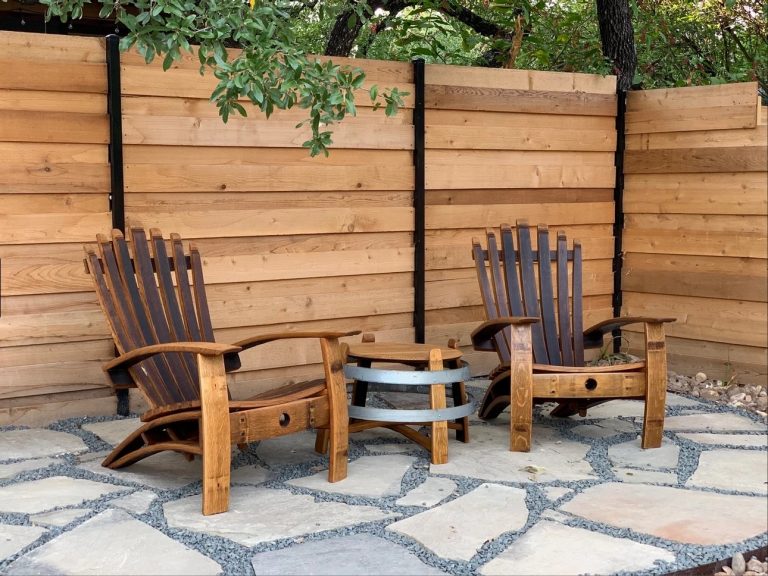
(535, 326)
(162, 330)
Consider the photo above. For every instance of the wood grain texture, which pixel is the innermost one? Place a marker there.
(62, 49)
(49, 101)
(439, 429)
(521, 388)
(441, 217)
(531, 137)
(44, 75)
(63, 127)
(698, 139)
(656, 375)
(523, 176)
(697, 160)
(697, 243)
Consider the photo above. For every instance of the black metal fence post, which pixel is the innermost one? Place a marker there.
(618, 224)
(117, 186)
(419, 276)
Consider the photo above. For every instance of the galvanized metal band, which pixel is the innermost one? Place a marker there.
(413, 416)
(407, 377)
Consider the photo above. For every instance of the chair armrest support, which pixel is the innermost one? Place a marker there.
(593, 336)
(264, 338)
(117, 368)
(482, 336)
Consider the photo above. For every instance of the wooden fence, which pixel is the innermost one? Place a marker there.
(291, 241)
(695, 237)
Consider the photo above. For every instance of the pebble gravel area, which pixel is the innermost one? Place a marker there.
(585, 500)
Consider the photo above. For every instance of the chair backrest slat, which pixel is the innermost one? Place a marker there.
(185, 292)
(530, 295)
(558, 339)
(563, 306)
(547, 297)
(201, 300)
(577, 293)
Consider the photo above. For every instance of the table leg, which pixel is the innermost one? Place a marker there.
(439, 436)
(360, 388)
(459, 393)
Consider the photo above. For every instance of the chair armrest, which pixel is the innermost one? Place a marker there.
(593, 336)
(482, 336)
(264, 338)
(117, 368)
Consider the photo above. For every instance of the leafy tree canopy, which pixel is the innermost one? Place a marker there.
(676, 43)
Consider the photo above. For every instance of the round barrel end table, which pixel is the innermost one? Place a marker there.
(436, 367)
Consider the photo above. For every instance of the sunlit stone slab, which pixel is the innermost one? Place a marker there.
(113, 431)
(737, 470)
(432, 491)
(15, 538)
(36, 443)
(40, 495)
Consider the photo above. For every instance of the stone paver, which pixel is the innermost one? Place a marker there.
(137, 503)
(113, 431)
(36, 443)
(345, 556)
(395, 448)
(249, 475)
(677, 400)
(552, 548)
(487, 457)
(432, 491)
(113, 542)
(614, 408)
(631, 454)
(257, 514)
(288, 450)
(40, 495)
(10, 470)
(59, 517)
(737, 470)
(372, 476)
(633, 475)
(718, 422)
(673, 513)
(164, 471)
(14, 538)
(555, 492)
(604, 428)
(745, 440)
(458, 529)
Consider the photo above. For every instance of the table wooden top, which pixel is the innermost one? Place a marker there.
(398, 352)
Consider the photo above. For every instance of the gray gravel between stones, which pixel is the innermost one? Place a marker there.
(236, 559)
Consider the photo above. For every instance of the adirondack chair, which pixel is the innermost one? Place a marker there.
(162, 329)
(535, 327)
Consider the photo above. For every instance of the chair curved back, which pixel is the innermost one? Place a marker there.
(148, 299)
(516, 280)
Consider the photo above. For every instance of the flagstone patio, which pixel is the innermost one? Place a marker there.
(586, 499)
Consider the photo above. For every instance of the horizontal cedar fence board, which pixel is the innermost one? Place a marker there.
(53, 178)
(378, 70)
(252, 178)
(518, 196)
(38, 101)
(727, 96)
(48, 378)
(484, 119)
(64, 127)
(711, 319)
(524, 138)
(529, 176)
(97, 350)
(526, 101)
(190, 131)
(55, 76)
(233, 223)
(739, 198)
(47, 153)
(204, 108)
(50, 228)
(702, 276)
(183, 83)
(235, 156)
(757, 136)
(519, 79)
(741, 159)
(494, 215)
(691, 119)
(20, 203)
(65, 50)
(728, 223)
(526, 157)
(268, 200)
(40, 303)
(743, 244)
(52, 327)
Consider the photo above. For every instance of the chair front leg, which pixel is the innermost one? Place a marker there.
(656, 384)
(338, 432)
(215, 437)
(521, 388)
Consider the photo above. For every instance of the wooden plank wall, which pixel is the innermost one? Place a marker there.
(504, 145)
(695, 233)
(54, 185)
(289, 242)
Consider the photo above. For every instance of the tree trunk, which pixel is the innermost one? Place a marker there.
(618, 39)
(343, 35)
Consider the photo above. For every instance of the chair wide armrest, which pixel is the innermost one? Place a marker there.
(117, 368)
(482, 336)
(593, 336)
(264, 338)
